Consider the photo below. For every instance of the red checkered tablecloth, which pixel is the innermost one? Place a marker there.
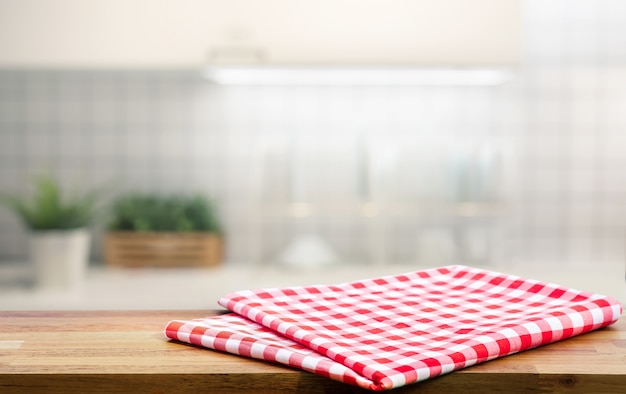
(395, 330)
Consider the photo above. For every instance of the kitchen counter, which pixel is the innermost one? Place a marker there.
(126, 352)
(107, 288)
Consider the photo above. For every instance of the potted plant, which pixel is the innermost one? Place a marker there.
(149, 230)
(59, 238)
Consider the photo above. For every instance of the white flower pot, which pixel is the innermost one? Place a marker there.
(60, 258)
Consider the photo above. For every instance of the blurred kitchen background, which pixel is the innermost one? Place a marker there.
(523, 168)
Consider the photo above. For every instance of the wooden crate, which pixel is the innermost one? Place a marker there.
(152, 249)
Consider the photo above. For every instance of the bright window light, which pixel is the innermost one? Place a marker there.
(277, 76)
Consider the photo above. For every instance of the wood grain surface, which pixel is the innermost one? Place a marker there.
(127, 352)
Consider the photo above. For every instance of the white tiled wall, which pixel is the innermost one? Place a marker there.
(555, 131)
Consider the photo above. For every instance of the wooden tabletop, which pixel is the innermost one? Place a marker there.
(126, 352)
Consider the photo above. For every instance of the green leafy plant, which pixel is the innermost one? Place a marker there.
(164, 214)
(50, 210)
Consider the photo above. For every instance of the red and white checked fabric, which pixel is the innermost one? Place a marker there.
(391, 331)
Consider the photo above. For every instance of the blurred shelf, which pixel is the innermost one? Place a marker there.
(375, 209)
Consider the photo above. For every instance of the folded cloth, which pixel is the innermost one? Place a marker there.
(391, 331)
